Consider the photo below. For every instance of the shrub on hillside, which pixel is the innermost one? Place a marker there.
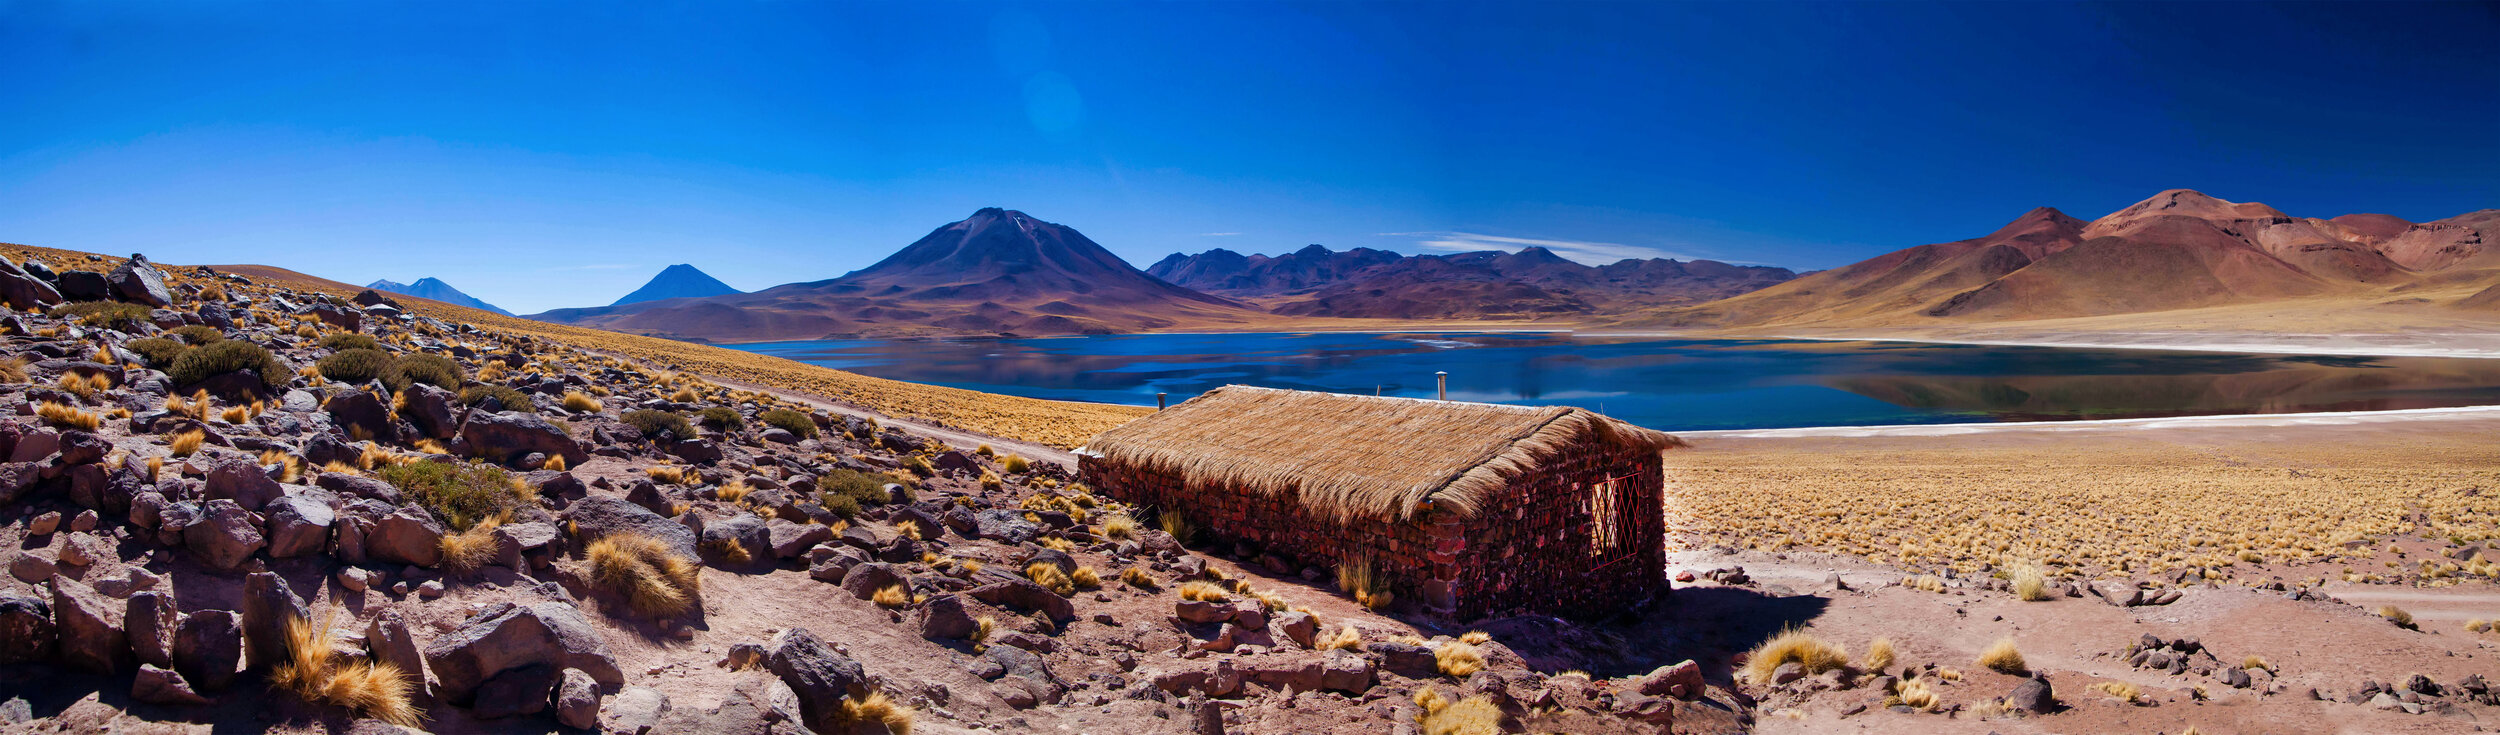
(211, 360)
(158, 351)
(354, 366)
(198, 334)
(845, 491)
(652, 424)
(350, 341)
(723, 418)
(790, 421)
(106, 314)
(458, 493)
(505, 398)
(430, 369)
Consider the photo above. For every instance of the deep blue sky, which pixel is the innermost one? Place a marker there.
(540, 155)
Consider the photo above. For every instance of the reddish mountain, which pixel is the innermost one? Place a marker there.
(1530, 283)
(996, 272)
(2179, 249)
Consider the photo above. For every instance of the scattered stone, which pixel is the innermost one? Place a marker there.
(577, 700)
(225, 537)
(90, 628)
(821, 678)
(27, 634)
(163, 686)
(507, 636)
(208, 645)
(148, 621)
(268, 603)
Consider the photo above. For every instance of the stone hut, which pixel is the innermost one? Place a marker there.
(1471, 509)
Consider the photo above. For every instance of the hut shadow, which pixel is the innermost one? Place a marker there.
(1710, 626)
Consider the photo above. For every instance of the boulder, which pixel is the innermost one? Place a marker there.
(429, 409)
(789, 539)
(577, 700)
(1300, 627)
(822, 678)
(944, 618)
(1006, 526)
(598, 517)
(208, 645)
(836, 563)
(633, 711)
(409, 535)
(1406, 659)
(268, 604)
(242, 480)
(745, 531)
(298, 525)
(22, 290)
(1202, 611)
(27, 634)
(1029, 670)
(1682, 681)
(509, 435)
(523, 546)
(347, 319)
(90, 628)
(1345, 672)
(84, 286)
(31, 568)
(225, 537)
(2034, 696)
(360, 412)
(509, 636)
(357, 486)
(388, 637)
(521, 691)
(864, 580)
(163, 686)
(149, 621)
(1024, 594)
(138, 281)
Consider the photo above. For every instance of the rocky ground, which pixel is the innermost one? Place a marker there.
(200, 478)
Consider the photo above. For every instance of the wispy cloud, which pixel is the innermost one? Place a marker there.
(1583, 251)
(1217, 234)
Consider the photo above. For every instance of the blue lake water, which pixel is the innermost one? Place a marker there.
(1677, 384)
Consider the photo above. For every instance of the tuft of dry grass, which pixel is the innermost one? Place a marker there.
(1915, 694)
(188, 442)
(2478, 625)
(68, 417)
(1119, 526)
(555, 462)
(2396, 615)
(578, 402)
(1085, 578)
(1356, 578)
(1172, 522)
(13, 369)
(1458, 659)
(673, 474)
(2002, 657)
(892, 595)
(909, 529)
(1138, 577)
(1791, 646)
(315, 671)
(1476, 638)
(653, 581)
(2029, 583)
(1048, 575)
(1015, 464)
(2122, 691)
(2254, 661)
(1204, 591)
(1345, 637)
(1879, 655)
(878, 708)
(1437, 715)
(467, 551)
(735, 491)
(84, 386)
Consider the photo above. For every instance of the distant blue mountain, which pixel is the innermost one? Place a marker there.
(436, 289)
(677, 282)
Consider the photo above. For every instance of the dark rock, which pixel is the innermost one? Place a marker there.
(2034, 696)
(149, 622)
(357, 486)
(84, 286)
(1024, 594)
(577, 700)
(598, 517)
(208, 645)
(634, 711)
(242, 480)
(509, 636)
(745, 531)
(509, 435)
(429, 409)
(944, 618)
(1406, 659)
(90, 628)
(409, 535)
(163, 686)
(864, 580)
(225, 538)
(27, 634)
(789, 540)
(520, 691)
(388, 637)
(361, 412)
(821, 678)
(22, 290)
(298, 525)
(1682, 681)
(268, 603)
(139, 282)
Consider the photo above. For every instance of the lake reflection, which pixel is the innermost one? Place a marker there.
(1677, 383)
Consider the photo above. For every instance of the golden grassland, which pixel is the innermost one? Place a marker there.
(2086, 504)
(1062, 424)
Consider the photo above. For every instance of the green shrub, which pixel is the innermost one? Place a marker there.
(225, 356)
(461, 494)
(349, 341)
(654, 423)
(841, 505)
(851, 489)
(354, 367)
(434, 370)
(198, 334)
(512, 400)
(106, 314)
(724, 418)
(158, 351)
(790, 421)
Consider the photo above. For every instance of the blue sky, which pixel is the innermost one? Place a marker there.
(542, 155)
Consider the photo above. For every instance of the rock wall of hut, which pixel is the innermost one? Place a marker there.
(1529, 548)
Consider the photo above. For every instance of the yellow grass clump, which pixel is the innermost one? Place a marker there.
(1356, 579)
(1138, 577)
(892, 595)
(1015, 464)
(1437, 715)
(652, 580)
(68, 417)
(673, 474)
(577, 402)
(1205, 591)
(467, 551)
(315, 671)
(1049, 576)
(1476, 638)
(1915, 694)
(2029, 583)
(2478, 625)
(1345, 637)
(1879, 655)
(84, 386)
(186, 443)
(878, 708)
(2122, 691)
(2002, 657)
(1791, 646)
(2396, 615)
(1086, 578)
(1458, 659)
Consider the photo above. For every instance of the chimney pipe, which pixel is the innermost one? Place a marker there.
(1159, 401)
(1444, 376)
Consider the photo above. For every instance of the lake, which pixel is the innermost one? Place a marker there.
(1678, 384)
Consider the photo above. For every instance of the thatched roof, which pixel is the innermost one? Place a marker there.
(1345, 456)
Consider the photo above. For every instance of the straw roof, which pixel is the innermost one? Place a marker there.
(1345, 456)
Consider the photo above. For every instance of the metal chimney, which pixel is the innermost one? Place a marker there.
(1159, 401)
(1444, 375)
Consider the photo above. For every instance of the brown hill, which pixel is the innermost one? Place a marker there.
(2178, 250)
(1532, 283)
(996, 272)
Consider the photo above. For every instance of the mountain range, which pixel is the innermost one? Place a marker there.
(436, 289)
(1531, 283)
(2179, 250)
(677, 282)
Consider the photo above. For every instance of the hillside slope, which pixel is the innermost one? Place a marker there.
(1532, 283)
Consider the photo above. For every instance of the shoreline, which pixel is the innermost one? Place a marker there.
(2215, 421)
